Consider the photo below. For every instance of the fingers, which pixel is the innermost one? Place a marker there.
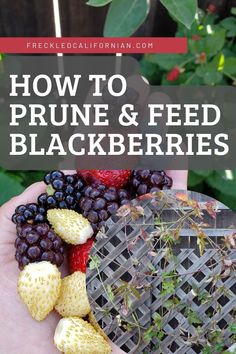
(180, 178)
(69, 172)
(30, 195)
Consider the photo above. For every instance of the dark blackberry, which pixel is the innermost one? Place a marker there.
(35, 243)
(51, 176)
(99, 202)
(148, 181)
(30, 213)
(64, 191)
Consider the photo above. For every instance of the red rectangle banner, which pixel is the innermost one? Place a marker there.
(92, 45)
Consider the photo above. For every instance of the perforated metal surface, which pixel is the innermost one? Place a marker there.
(124, 255)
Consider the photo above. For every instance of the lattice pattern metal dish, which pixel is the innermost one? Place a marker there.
(122, 255)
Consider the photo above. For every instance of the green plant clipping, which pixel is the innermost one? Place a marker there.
(173, 282)
(124, 17)
(183, 11)
(98, 3)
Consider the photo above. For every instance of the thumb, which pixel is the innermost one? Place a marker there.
(180, 178)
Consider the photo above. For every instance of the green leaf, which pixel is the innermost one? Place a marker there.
(168, 61)
(170, 303)
(135, 292)
(232, 328)
(229, 23)
(94, 262)
(233, 11)
(212, 78)
(149, 334)
(193, 317)
(157, 320)
(98, 3)
(110, 292)
(9, 187)
(30, 177)
(230, 66)
(189, 78)
(183, 11)
(124, 17)
(203, 173)
(209, 73)
(207, 350)
(219, 181)
(194, 179)
(215, 42)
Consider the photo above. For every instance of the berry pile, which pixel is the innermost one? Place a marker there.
(96, 194)
(149, 181)
(99, 202)
(71, 210)
(35, 243)
(63, 192)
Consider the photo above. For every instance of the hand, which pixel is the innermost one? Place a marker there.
(19, 332)
(180, 178)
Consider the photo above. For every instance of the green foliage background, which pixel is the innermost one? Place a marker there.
(211, 60)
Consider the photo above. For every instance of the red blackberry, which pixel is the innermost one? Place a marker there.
(30, 213)
(148, 181)
(63, 192)
(99, 202)
(35, 243)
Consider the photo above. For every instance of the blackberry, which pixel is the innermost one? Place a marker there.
(30, 213)
(63, 192)
(99, 202)
(35, 243)
(149, 181)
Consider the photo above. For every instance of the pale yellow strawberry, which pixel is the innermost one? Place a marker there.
(39, 287)
(74, 335)
(72, 227)
(73, 299)
(96, 326)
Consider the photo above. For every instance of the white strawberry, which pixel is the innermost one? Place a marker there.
(72, 227)
(74, 335)
(39, 287)
(92, 320)
(73, 299)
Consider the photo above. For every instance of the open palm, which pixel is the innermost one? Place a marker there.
(19, 333)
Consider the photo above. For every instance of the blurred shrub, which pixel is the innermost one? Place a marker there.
(14, 182)
(124, 17)
(211, 60)
(219, 184)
